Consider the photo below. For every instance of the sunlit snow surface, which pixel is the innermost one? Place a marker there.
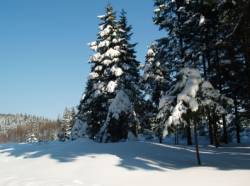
(87, 163)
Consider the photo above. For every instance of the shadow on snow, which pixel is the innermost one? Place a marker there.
(137, 155)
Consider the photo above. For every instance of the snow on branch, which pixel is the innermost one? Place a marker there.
(190, 92)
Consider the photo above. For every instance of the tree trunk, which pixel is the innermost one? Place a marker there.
(210, 130)
(176, 136)
(160, 134)
(225, 136)
(215, 132)
(244, 37)
(204, 66)
(196, 144)
(189, 134)
(160, 138)
(237, 124)
(218, 71)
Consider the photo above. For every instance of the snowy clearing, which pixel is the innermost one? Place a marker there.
(87, 163)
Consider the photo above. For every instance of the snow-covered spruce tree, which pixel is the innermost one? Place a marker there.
(170, 16)
(67, 124)
(122, 121)
(154, 82)
(155, 77)
(186, 100)
(69, 120)
(101, 84)
(214, 107)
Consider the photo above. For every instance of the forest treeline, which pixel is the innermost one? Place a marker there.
(195, 80)
(16, 128)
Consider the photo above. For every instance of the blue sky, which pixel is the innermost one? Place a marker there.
(44, 53)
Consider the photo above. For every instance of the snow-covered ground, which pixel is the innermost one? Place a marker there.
(87, 163)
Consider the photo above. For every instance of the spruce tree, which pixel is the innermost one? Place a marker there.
(114, 72)
(100, 88)
(155, 81)
(155, 78)
(189, 101)
(122, 121)
(171, 45)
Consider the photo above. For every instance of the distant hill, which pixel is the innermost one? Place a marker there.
(27, 128)
(8, 121)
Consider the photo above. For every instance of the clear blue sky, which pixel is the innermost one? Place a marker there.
(44, 53)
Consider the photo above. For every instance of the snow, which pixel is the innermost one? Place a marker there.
(120, 103)
(101, 27)
(183, 97)
(32, 139)
(93, 75)
(107, 62)
(111, 86)
(78, 129)
(100, 86)
(157, 10)
(96, 57)
(112, 53)
(150, 52)
(181, 9)
(116, 71)
(93, 46)
(106, 31)
(97, 93)
(115, 41)
(104, 44)
(189, 85)
(134, 163)
(100, 16)
(202, 20)
(116, 59)
(121, 30)
(214, 99)
(98, 68)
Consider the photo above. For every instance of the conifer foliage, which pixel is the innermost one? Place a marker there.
(114, 69)
(101, 85)
(189, 79)
(121, 118)
(205, 35)
(154, 82)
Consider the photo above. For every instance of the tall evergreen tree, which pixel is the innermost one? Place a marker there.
(186, 100)
(171, 45)
(93, 108)
(155, 81)
(156, 75)
(125, 71)
(114, 72)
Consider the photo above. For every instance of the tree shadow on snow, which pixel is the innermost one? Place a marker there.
(136, 155)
